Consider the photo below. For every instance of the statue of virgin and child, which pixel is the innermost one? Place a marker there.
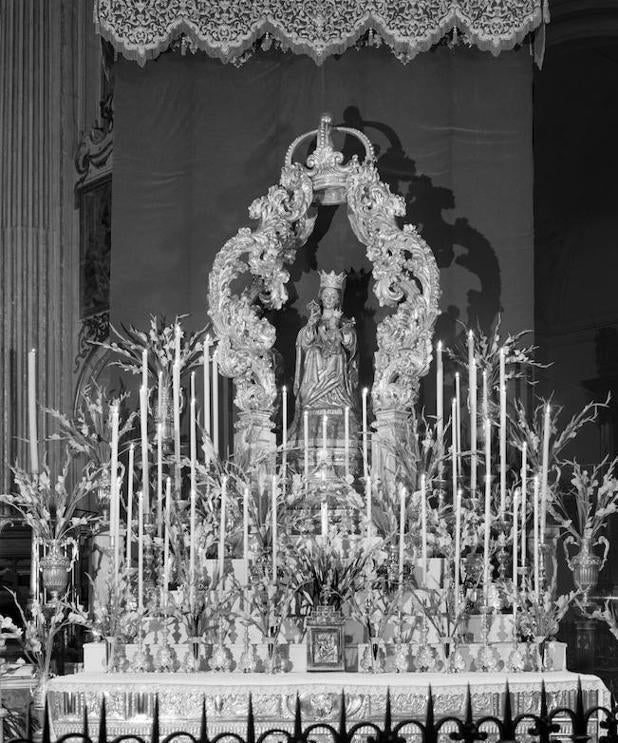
(326, 379)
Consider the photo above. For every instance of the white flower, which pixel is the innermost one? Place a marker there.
(6, 623)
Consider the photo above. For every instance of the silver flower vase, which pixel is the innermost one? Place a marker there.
(585, 565)
(55, 568)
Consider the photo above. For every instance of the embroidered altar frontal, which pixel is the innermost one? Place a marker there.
(130, 698)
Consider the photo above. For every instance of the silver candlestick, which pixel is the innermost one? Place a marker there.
(487, 658)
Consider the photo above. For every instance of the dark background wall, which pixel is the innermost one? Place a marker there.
(576, 226)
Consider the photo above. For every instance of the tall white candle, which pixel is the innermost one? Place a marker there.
(160, 411)
(324, 518)
(140, 552)
(424, 526)
(207, 385)
(524, 505)
(454, 462)
(129, 505)
(306, 442)
(145, 367)
(502, 451)
(402, 531)
(365, 434)
(143, 408)
(215, 402)
(457, 555)
(166, 542)
(35, 568)
(472, 395)
(245, 533)
(458, 414)
(176, 406)
(284, 415)
(487, 447)
(439, 399)
(346, 436)
(192, 435)
(502, 432)
(273, 513)
(159, 480)
(487, 533)
(535, 534)
(368, 504)
(222, 526)
(32, 421)
(485, 398)
(115, 494)
(177, 334)
(192, 542)
(515, 542)
(545, 472)
(324, 435)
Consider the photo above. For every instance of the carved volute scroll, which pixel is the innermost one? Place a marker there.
(259, 258)
(406, 277)
(404, 269)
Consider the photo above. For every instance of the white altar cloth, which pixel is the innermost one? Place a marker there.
(130, 697)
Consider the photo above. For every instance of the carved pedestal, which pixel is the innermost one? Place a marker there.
(390, 443)
(254, 436)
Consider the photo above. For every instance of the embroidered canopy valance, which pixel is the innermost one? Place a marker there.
(230, 29)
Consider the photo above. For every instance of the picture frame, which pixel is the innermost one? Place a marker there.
(325, 647)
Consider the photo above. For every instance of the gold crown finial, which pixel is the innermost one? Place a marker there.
(325, 165)
(332, 280)
(325, 140)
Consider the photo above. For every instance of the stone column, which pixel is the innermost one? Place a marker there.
(49, 57)
(39, 119)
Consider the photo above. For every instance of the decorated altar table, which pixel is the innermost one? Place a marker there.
(130, 698)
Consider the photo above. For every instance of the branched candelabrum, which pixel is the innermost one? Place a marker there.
(446, 609)
(540, 614)
(266, 607)
(375, 607)
(193, 608)
(516, 661)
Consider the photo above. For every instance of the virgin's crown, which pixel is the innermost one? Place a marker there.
(325, 165)
(332, 280)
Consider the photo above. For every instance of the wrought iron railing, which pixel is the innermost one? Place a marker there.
(577, 724)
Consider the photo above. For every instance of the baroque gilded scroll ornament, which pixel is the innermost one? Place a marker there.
(404, 270)
(406, 277)
(143, 29)
(258, 257)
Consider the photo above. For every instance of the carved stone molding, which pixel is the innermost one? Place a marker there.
(94, 157)
(93, 166)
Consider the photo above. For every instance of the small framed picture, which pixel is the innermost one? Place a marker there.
(325, 647)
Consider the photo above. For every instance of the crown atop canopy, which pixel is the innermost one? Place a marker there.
(324, 165)
(332, 280)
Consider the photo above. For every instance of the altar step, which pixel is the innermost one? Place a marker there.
(357, 656)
